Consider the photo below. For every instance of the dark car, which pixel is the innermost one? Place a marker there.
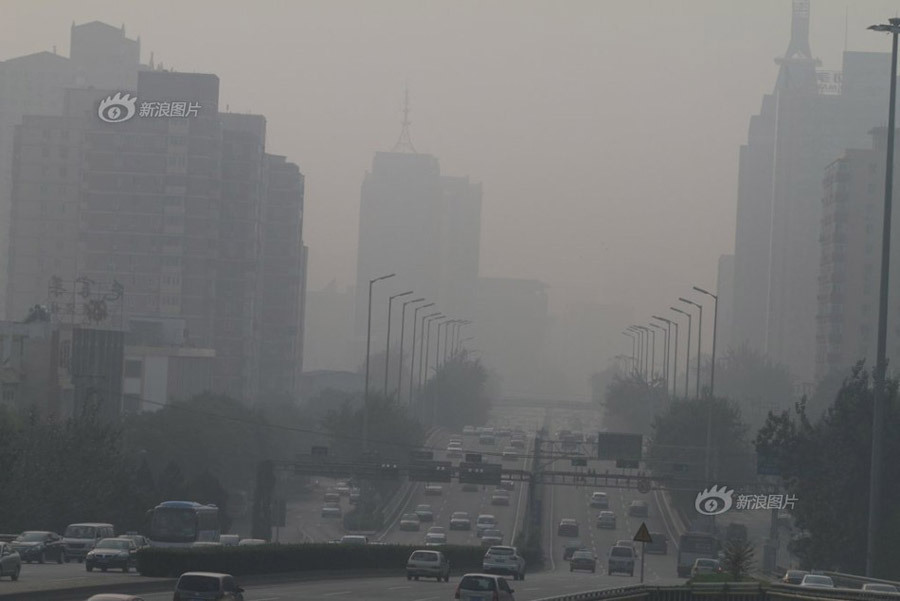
(567, 527)
(112, 553)
(40, 546)
(659, 545)
(583, 559)
(638, 509)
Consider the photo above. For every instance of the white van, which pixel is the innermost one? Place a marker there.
(81, 538)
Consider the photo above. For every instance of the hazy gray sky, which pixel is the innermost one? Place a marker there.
(605, 133)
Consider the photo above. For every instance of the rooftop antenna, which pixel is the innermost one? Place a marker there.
(404, 142)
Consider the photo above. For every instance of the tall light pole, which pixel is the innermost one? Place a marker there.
(699, 337)
(402, 331)
(665, 355)
(874, 525)
(671, 323)
(640, 348)
(412, 354)
(687, 362)
(365, 432)
(645, 332)
(387, 348)
(426, 339)
(439, 320)
(631, 335)
(712, 369)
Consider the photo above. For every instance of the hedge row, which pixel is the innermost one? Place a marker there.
(277, 558)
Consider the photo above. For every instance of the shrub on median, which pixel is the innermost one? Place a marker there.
(276, 558)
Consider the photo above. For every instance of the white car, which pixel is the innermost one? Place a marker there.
(816, 581)
(428, 564)
(437, 530)
(460, 520)
(434, 490)
(500, 497)
(485, 521)
(504, 560)
(354, 539)
(599, 500)
(878, 587)
(707, 566)
(435, 539)
(409, 521)
(606, 519)
(484, 587)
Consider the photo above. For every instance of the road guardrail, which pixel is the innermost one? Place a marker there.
(727, 591)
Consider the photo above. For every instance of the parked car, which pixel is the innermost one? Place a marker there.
(428, 564)
(409, 521)
(606, 519)
(500, 497)
(569, 548)
(705, 565)
(485, 521)
(111, 553)
(491, 537)
(501, 559)
(817, 581)
(638, 509)
(80, 538)
(483, 587)
(425, 513)
(659, 544)
(600, 500)
(567, 527)
(460, 520)
(621, 559)
(583, 559)
(40, 546)
(10, 562)
(794, 576)
(207, 585)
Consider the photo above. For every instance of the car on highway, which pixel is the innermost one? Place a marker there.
(606, 519)
(437, 530)
(621, 559)
(880, 587)
(40, 546)
(704, 565)
(583, 559)
(487, 439)
(485, 521)
(332, 497)
(409, 521)
(501, 559)
(659, 544)
(500, 497)
(207, 585)
(428, 563)
(570, 547)
(468, 430)
(460, 520)
(510, 454)
(230, 540)
(483, 587)
(600, 500)
(567, 527)
(794, 576)
(140, 541)
(435, 539)
(491, 537)
(470, 487)
(10, 562)
(425, 513)
(112, 553)
(115, 597)
(817, 581)
(354, 539)
(454, 450)
(433, 490)
(638, 509)
(81, 538)
(331, 510)
(507, 485)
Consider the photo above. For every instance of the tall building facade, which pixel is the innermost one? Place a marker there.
(158, 193)
(99, 56)
(725, 292)
(850, 261)
(808, 119)
(424, 227)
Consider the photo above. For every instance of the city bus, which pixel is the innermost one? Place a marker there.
(183, 523)
(695, 545)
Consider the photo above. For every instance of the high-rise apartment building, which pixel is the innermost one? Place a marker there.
(157, 191)
(808, 119)
(101, 56)
(850, 261)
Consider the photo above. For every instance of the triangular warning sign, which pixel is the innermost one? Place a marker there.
(643, 535)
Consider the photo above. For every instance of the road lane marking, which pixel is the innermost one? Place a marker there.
(335, 593)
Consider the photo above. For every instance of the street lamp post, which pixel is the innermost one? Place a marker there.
(669, 324)
(633, 346)
(412, 353)
(422, 347)
(874, 525)
(712, 368)
(387, 348)
(699, 337)
(365, 432)
(639, 368)
(687, 361)
(439, 320)
(402, 331)
(665, 369)
(426, 338)
(645, 332)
